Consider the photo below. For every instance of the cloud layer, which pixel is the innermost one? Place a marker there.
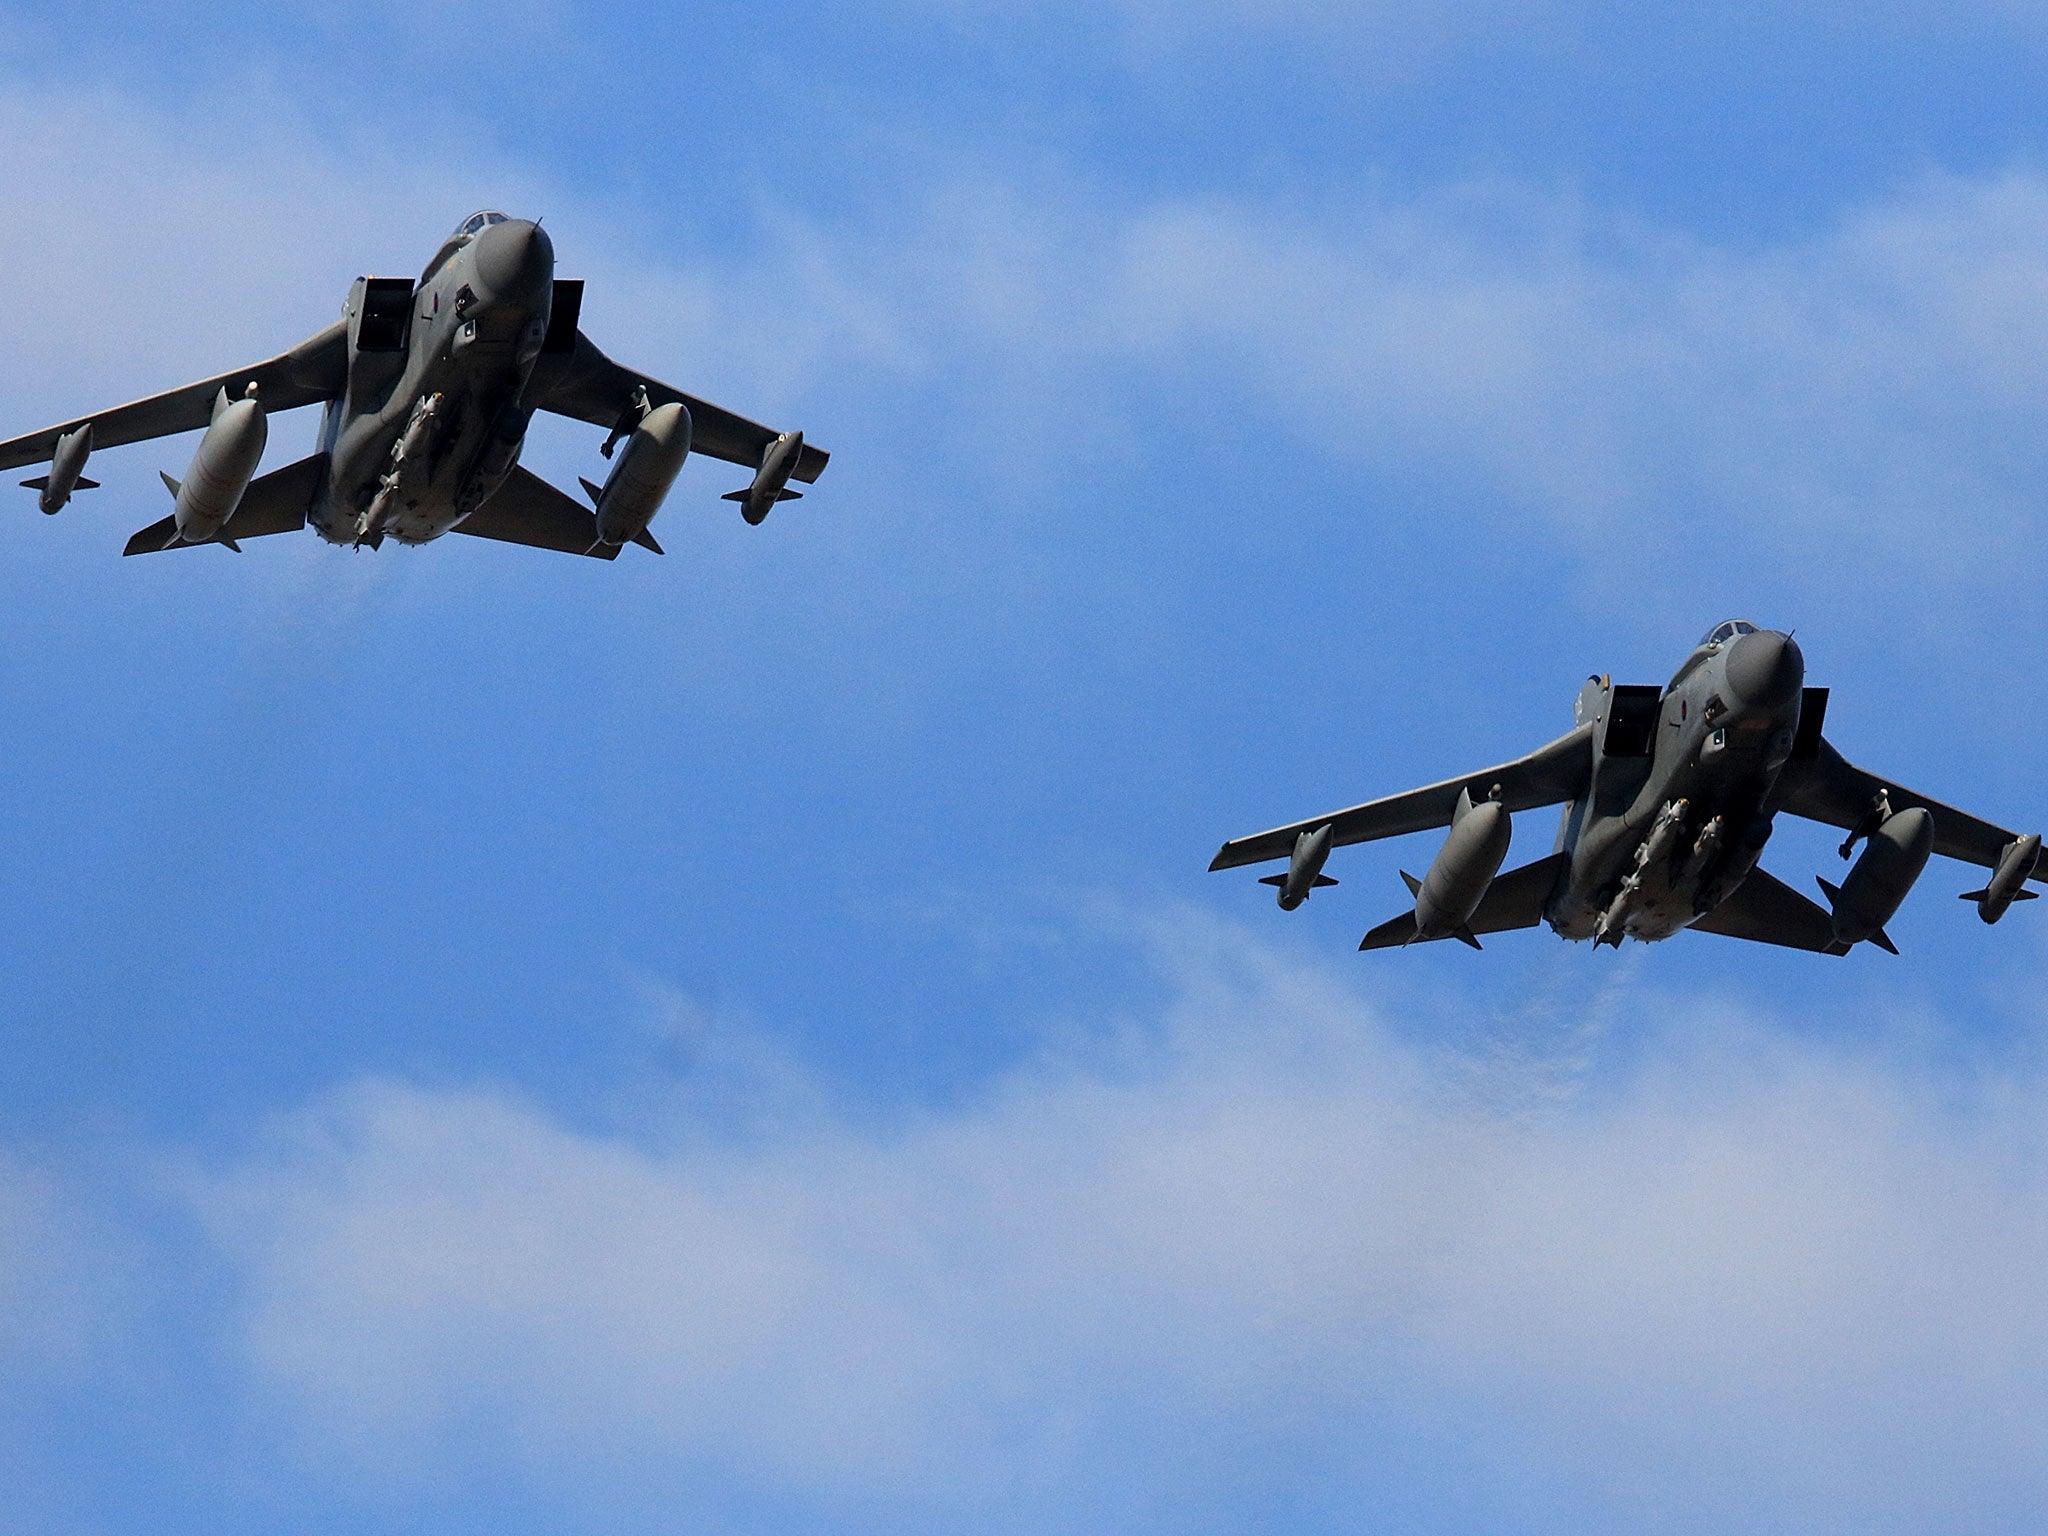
(1745, 1284)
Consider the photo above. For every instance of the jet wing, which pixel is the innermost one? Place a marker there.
(1549, 776)
(527, 510)
(1828, 788)
(1767, 910)
(313, 371)
(588, 386)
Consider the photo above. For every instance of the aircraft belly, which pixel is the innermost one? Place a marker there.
(437, 484)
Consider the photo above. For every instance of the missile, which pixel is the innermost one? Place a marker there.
(221, 470)
(55, 488)
(1305, 870)
(2009, 883)
(1662, 840)
(1877, 884)
(1464, 867)
(647, 466)
(771, 478)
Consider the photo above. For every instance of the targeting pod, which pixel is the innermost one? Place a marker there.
(2009, 881)
(1450, 893)
(639, 482)
(66, 471)
(1305, 869)
(221, 470)
(771, 480)
(1876, 887)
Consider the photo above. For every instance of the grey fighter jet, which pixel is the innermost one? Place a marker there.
(427, 388)
(1669, 795)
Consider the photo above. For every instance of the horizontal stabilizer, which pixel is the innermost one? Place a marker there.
(646, 541)
(1765, 910)
(1514, 900)
(1278, 880)
(782, 495)
(1884, 942)
(2022, 894)
(274, 503)
(42, 483)
(527, 510)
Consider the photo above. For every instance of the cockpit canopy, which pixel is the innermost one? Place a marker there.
(465, 232)
(1721, 634)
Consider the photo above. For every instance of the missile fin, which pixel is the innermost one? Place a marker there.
(83, 484)
(595, 493)
(221, 538)
(1464, 936)
(1414, 885)
(1272, 880)
(40, 483)
(1884, 942)
(1322, 880)
(169, 484)
(646, 541)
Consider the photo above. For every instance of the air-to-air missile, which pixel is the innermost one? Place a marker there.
(1877, 885)
(1304, 869)
(1464, 867)
(639, 482)
(2008, 884)
(221, 470)
(771, 480)
(55, 488)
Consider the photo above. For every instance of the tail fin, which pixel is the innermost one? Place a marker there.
(646, 541)
(594, 492)
(1414, 885)
(169, 484)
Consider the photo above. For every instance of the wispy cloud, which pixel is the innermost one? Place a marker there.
(1748, 1283)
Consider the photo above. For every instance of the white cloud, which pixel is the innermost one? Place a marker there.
(1865, 400)
(1749, 1283)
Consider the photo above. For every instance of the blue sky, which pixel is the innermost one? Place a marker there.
(746, 1042)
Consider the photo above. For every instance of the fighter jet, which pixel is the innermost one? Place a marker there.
(1669, 795)
(427, 388)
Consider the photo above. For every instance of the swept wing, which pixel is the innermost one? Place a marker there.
(1828, 788)
(1548, 776)
(588, 386)
(314, 371)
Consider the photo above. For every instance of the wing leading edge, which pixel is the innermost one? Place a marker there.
(315, 370)
(1548, 776)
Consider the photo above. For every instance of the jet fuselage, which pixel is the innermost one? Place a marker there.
(1673, 823)
(433, 417)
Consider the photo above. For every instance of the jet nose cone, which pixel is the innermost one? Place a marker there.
(514, 260)
(1765, 669)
